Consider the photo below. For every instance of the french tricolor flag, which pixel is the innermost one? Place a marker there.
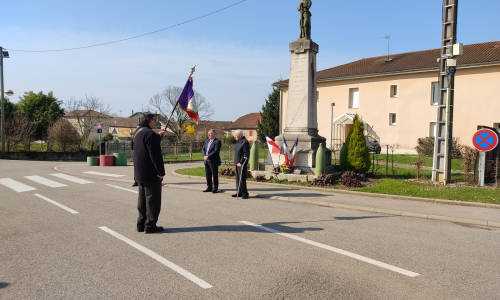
(186, 100)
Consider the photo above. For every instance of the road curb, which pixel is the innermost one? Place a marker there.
(372, 209)
(373, 195)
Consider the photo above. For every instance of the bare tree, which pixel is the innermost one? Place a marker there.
(86, 114)
(164, 102)
(64, 135)
(19, 129)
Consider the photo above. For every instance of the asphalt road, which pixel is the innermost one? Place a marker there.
(70, 239)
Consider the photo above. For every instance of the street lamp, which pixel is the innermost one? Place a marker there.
(331, 126)
(2, 96)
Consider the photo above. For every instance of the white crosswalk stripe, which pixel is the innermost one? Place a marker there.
(45, 181)
(71, 178)
(16, 185)
(103, 174)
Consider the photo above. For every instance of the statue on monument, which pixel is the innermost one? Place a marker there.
(305, 19)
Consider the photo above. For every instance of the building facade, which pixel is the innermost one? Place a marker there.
(397, 98)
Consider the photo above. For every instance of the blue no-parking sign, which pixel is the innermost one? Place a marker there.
(485, 140)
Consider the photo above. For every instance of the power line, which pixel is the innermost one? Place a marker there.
(134, 36)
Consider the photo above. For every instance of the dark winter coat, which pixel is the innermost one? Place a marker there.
(148, 160)
(241, 150)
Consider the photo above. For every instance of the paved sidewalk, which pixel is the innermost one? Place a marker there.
(447, 211)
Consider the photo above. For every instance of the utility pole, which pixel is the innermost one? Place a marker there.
(441, 166)
(2, 96)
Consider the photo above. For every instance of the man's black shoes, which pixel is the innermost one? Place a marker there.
(135, 183)
(140, 228)
(156, 229)
(241, 196)
(207, 190)
(215, 191)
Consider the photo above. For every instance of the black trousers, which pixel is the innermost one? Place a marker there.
(212, 172)
(241, 174)
(149, 204)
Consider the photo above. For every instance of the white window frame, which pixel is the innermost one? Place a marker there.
(351, 99)
(391, 117)
(434, 92)
(394, 91)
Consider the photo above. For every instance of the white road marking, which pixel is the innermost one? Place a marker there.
(336, 250)
(71, 178)
(160, 259)
(103, 174)
(16, 185)
(45, 181)
(56, 204)
(122, 188)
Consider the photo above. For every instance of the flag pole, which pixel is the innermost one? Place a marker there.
(177, 102)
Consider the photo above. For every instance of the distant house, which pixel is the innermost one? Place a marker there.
(222, 129)
(122, 127)
(248, 124)
(84, 120)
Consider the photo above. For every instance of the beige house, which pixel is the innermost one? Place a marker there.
(247, 124)
(397, 98)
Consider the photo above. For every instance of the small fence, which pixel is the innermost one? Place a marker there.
(181, 151)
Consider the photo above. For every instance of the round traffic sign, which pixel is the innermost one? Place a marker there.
(485, 140)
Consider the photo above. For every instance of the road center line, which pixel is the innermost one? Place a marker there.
(56, 204)
(160, 259)
(336, 250)
(122, 188)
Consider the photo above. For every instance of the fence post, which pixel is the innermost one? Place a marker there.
(386, 160)
(191, 150)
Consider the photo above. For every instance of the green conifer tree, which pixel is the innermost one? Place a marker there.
(358, 157)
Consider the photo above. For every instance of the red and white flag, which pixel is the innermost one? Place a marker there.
(273, 148)
(271, 145)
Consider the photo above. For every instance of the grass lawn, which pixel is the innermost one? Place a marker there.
(406, 188)
(409, 159)
(398, 185)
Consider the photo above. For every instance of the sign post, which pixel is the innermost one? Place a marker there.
(99, 130)
(484, 140)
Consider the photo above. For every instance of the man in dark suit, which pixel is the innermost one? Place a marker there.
(241, 155)
(148, 172)
(211, 157)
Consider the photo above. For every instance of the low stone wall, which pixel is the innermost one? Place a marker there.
(49, 156)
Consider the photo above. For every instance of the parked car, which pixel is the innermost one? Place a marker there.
(373, 145)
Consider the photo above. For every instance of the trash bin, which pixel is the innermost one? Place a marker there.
(120, 159)
(92, 160)
(106, 160)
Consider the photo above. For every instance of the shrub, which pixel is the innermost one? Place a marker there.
(324, 180)
(260, 178)
(230, 140)
(107, 137)
(425, 147)
(350, 179)
(64, 135)
(354, 154)
(228, 172)
(469, 155)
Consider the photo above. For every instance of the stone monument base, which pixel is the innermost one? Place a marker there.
(305, 158)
